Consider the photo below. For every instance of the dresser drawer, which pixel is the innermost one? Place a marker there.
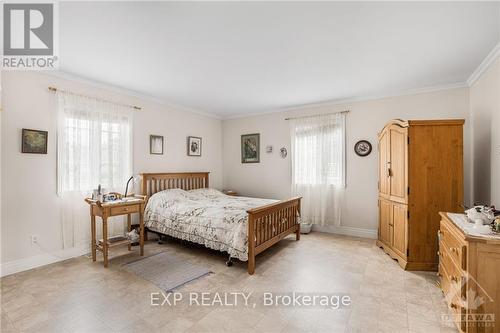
(453, 297)
(450, 272)
(125, 210)
(453, 245)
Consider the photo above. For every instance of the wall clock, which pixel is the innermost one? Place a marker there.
(363, 148)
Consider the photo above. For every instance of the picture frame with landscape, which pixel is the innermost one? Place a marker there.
(34, 141)
(250, 148)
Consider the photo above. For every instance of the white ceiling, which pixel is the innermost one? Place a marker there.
(236, 58)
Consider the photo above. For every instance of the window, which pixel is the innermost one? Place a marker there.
(94, 144)
(318, 164)
(318, 151)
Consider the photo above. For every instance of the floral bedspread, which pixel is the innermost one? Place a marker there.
(203, 216)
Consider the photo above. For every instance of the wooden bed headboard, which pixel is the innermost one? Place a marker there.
(156, 182)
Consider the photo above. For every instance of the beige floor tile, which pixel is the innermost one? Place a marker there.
(80, 296)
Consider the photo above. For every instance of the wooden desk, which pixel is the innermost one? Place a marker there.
(106, 210)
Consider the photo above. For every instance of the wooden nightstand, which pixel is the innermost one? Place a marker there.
(108, 209)
(230, 192)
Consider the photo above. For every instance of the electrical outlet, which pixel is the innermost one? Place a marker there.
(34, 239)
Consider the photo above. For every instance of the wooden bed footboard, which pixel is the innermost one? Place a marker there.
(269, 224)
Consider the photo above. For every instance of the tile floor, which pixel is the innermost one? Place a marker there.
(80, 296)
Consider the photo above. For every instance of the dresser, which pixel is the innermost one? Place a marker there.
(469, 271)
(420, 174)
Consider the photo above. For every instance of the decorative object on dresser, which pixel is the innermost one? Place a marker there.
(250, 148)
(420, 174)
(156, 145)
(266, 225)
(34, 141)
(193, 146)
(469, 267)
(116, 208)
(230, 192)
(363, 148)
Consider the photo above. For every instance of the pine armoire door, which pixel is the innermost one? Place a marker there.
(385, 223)
(399, 225)
(384, 162)
(398, 164)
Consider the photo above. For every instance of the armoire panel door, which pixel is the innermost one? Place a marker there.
(385, 223)
(399, 223)
(384, 161)
(398, 164)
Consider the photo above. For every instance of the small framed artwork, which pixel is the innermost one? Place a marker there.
(194, 146)
(34, 141)
(250, 148)
(156, 145)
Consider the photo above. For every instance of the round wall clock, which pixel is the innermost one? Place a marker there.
(363, 148)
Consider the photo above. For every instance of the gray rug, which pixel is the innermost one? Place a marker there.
(166, 270)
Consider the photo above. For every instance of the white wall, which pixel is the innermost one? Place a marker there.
(29, 203)
(271, 177)
(485, 113)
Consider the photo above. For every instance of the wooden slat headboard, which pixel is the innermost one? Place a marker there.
(156, 182)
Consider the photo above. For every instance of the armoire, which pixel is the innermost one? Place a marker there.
(420, 175)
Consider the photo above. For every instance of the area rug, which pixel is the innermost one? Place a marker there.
(166, 270)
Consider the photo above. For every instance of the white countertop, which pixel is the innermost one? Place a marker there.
(470, 229)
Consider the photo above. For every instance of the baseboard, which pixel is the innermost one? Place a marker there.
(348, 231)
(16, 266)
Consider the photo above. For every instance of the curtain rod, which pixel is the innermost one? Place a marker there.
(319, 114)
(54, 89)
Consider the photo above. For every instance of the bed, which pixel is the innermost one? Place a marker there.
(182, 205)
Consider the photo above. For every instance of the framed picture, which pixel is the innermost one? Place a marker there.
(194, 146)
(34, 141)
(156, 144)
(250, 148)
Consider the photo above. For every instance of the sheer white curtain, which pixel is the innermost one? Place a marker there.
(94, 146)
(318, 166)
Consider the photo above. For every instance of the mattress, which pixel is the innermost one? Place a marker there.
(203, 216)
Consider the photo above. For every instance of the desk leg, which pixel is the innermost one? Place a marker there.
(92, 229)
(105, 240)
(141, 232)
(129, 227)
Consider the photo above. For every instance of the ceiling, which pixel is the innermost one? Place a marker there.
(236, 58)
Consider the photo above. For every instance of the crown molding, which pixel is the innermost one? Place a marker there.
(364, 98)
(484, 65)
(124, 91)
